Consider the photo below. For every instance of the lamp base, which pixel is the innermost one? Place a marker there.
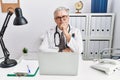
(8, 63)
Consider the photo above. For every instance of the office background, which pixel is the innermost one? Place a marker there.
(40, 17)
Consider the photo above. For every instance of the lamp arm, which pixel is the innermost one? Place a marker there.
(5, 51)
(5, 23)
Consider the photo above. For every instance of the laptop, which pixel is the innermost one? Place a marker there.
(58, 63)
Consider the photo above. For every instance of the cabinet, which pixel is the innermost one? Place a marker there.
(97, 33)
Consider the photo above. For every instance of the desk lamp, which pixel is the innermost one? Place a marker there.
(19, 20)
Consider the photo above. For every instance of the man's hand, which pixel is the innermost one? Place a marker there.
(64, 27)
(67, 50)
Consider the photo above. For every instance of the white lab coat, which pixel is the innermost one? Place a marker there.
(75, 43)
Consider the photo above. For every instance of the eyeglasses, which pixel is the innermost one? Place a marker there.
(64, 17)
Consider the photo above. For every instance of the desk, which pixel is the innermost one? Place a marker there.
(84, 73)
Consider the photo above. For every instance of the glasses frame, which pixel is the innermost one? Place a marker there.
(64, 17)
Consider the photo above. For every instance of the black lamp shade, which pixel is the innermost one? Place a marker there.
(19, 19)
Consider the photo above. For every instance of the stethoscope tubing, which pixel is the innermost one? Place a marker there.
(56, 32)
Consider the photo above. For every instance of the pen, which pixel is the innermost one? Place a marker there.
(28, 69)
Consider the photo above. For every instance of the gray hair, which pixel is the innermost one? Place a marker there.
(60, 9)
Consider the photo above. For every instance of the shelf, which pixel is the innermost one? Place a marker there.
(97, 32)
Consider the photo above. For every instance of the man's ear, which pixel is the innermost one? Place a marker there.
(55, 20)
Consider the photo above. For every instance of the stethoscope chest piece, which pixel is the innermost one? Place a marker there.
(73, 35)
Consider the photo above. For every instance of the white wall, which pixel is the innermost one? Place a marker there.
(40, 17)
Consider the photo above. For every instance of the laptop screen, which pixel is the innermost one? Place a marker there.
(58, 63)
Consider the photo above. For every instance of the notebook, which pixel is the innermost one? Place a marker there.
(58, 63)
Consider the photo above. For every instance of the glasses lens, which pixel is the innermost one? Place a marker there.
(64, 17)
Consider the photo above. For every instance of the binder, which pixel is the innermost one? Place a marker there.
(101, 48)
(103, 26)
(98, 25)
(103, 45)
(96, 49)
(83, 25)
(108, 26)
(73, 21)
(93, 25)
(84, 50)
(91, 51)
(106, 45)
(105, 2)
(94, 6)
(80, 24)
(99, 6)
(23, 70)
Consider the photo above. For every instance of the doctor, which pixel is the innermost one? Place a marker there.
(53, 38)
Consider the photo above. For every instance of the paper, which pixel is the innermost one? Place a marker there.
(10, 1)
(25, 67)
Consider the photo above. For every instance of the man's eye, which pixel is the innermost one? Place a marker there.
(58, 17)
(63, 16)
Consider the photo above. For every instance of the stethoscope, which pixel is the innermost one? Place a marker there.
(57, 33)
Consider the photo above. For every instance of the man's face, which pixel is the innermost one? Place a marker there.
(61, 17)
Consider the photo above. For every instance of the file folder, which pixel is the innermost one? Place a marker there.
(103, 6)
(90, 53)
(97, 26)
(93, 2)
(73, 20)
(108, 26)
(93, 26)
(84, 51)
(96, 49)
(103, 26)
(81, 24)
(99, 6)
